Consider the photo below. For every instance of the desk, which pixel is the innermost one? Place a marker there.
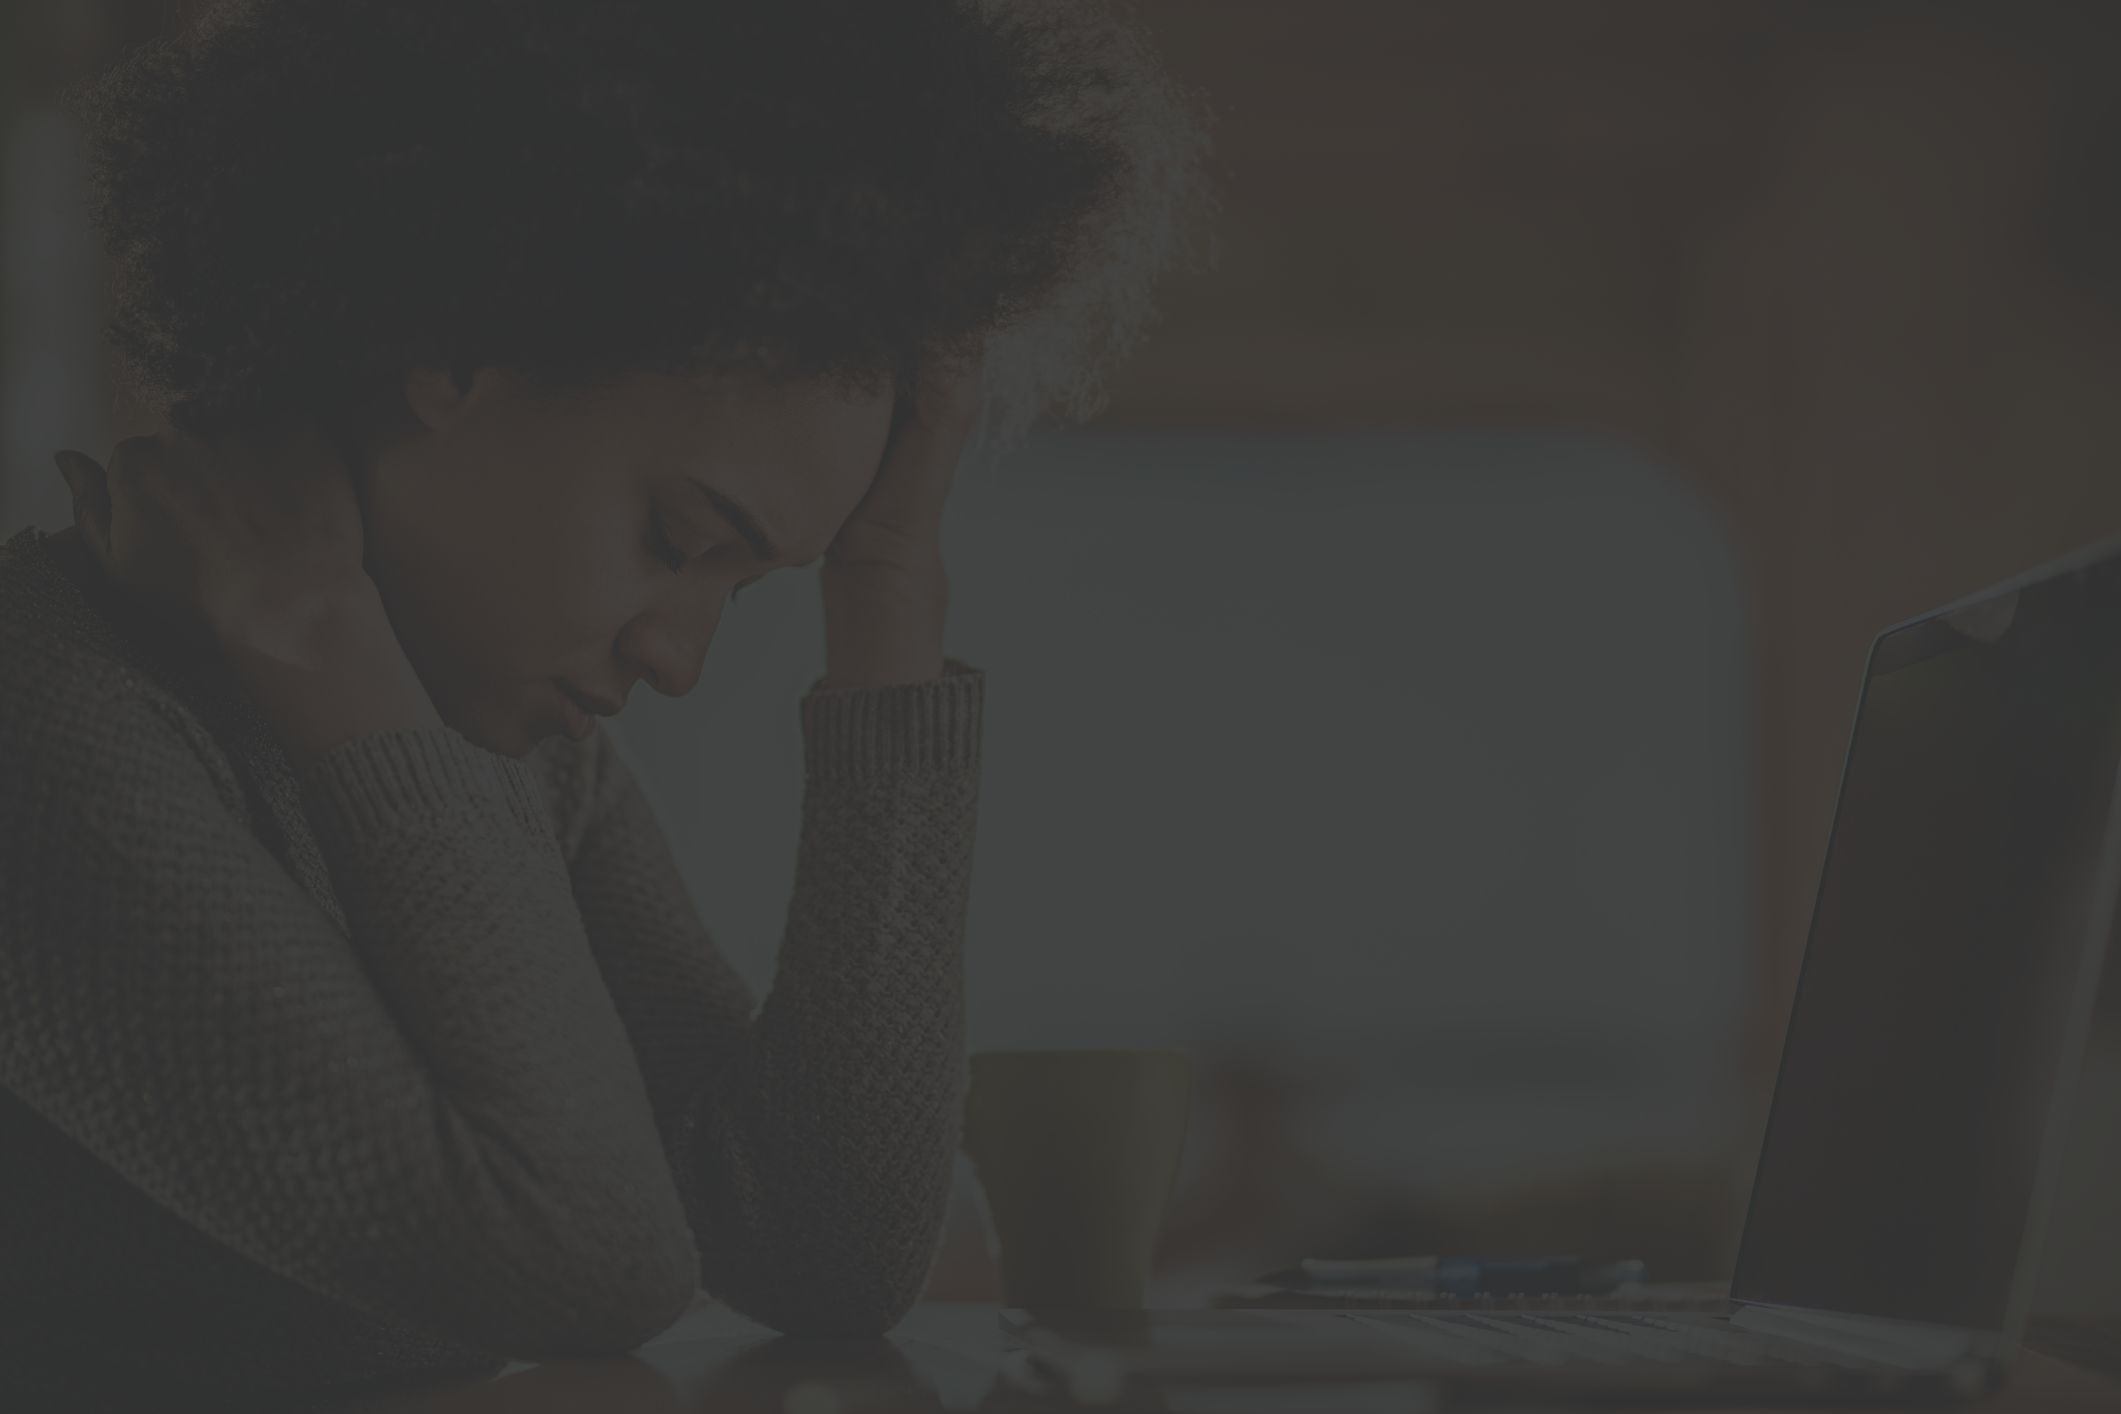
(943, 1358)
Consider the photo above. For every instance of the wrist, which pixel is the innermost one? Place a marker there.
(325, 671)
(306, 630)
(883, 624)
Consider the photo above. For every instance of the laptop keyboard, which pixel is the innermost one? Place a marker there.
(1562, 1338)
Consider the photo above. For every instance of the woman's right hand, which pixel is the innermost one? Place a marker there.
(255, 552)
(245, 544)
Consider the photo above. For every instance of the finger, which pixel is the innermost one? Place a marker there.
(156, 476)
(939, 417)
(132, 455)
(914, 480)
(949, 393)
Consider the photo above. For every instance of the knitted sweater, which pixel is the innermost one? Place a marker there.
(418, 1060)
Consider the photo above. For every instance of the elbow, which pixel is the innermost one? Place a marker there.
(620, 1317)
(831, 1280)
(529, 1250)
(844, 1307)
(582, 1300)
(831, 1320)
(843, 1304)
(597, 1335)
(844, 1320)
(577, 1274)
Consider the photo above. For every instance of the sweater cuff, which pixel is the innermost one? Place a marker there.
(375, 782)
(921, 726)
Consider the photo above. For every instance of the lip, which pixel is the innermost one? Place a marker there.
(579, 712)
(598, 706)
(577, 723)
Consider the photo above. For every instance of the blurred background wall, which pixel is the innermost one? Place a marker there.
(1495, 535)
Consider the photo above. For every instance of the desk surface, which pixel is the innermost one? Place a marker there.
(945, 1357)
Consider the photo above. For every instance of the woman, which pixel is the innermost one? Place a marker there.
(355, 1026)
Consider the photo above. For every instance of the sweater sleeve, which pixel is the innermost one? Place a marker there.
(813, 1141)
(442, 1122)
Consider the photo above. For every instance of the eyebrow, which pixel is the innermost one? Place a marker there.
(746, 524)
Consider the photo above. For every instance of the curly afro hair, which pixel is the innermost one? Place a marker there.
(305, 198)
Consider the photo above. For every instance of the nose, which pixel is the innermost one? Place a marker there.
(669, 647)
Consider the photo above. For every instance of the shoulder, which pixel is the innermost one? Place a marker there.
(74, 719)
(56, 660)
(74, 706)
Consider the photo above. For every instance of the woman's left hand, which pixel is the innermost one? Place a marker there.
(885, 591)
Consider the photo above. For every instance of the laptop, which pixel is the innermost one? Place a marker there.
(1958, 932)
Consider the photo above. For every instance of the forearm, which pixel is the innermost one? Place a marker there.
(849, 1132)
(459, 904)
(430, 1112)
(822, 1168)
(820, 1190)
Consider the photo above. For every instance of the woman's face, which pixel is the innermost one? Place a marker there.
(528, 546)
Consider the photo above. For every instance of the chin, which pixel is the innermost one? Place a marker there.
(515, 739)
(523, 741)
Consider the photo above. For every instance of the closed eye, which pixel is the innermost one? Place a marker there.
(660, 543)
(667, 551)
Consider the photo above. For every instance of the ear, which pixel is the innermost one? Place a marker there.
(90, 486)
(438, 396)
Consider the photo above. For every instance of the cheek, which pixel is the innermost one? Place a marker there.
(484, 593)
(574, 580)
(513, 574)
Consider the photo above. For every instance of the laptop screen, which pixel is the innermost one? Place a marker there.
(1933, 1023)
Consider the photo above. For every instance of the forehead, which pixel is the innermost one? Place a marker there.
(798, 455)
